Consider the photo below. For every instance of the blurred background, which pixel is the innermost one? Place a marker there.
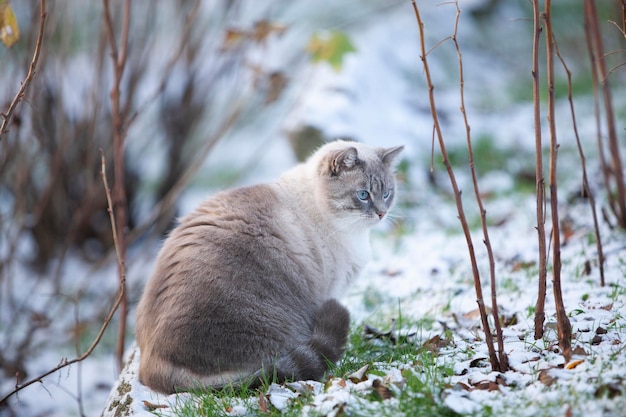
(222, 93)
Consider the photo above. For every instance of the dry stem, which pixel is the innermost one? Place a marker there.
(457, 196)
(614, 170)
(119, 135)
(563, 325)
(585, 182)
(120, 296)
(503, 360)
(6, 117)
(540, 183)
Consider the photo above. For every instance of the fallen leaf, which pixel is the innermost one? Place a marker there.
(278, 395)
(573, 364)
(435, 343)
(382, 390)
(546, 377)
(500, 380)
(474, 363)
(461, 386)
(508, 320)
(263, 403)
(487, 386)
(610, 390)
(579, 350)
(340, 409)
(601, 330)
(475, 314)
(151, 406)
(360, 375)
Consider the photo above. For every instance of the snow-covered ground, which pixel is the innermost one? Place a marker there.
(379, 97)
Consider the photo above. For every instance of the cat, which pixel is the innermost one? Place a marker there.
(245, 287)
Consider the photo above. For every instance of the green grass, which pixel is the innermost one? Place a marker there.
(424, 377)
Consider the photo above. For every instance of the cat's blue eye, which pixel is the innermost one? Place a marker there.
(386, 194)
(362, 195)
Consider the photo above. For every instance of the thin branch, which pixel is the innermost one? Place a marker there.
(564, 328)
(502, 357)
(119, 57)
(539, 180)
(615, 170)
(8, 116)
(457, 196)
(120, 296)
(585, 182)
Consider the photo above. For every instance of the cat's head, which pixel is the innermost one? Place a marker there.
(357, 182)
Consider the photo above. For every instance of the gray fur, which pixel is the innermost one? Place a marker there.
(244, 287)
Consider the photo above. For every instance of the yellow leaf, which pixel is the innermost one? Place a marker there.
(573, 364)
(331, 47)
(9, 30)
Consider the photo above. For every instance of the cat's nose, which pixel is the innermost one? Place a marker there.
(381, 214)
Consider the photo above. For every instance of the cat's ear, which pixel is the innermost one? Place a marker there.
(344, 160)
(388, 155)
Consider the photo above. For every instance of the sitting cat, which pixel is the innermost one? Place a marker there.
(244, 287)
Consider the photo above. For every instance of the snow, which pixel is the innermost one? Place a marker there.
(379, 98)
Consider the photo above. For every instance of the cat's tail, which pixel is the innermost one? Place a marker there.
(327, 343)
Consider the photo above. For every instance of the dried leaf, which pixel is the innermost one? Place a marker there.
(278, 395)
(9, 29)
(360, 375)
(500, 380)
(264, 28)
(151, 406)
(382, 390)
(475, 314)
(573, 364)
(579, 350)
(435, 343)
(263, 403)
(487, 386)
(461, 386)
(276, 83)
(474, 363)
(393, 336)
(546, 377)
(508, 320)
(610, 390)
(233, 38)
(601, 330)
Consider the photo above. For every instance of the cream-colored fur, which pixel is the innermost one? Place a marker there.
(244, 287)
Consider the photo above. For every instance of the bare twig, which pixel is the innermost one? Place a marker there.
(585, 182)
(119, 135)
(540, 182)
(563, 325)
(502, 357)
(120, 296)
(32, 70)
(457, 196)
(613, 172)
